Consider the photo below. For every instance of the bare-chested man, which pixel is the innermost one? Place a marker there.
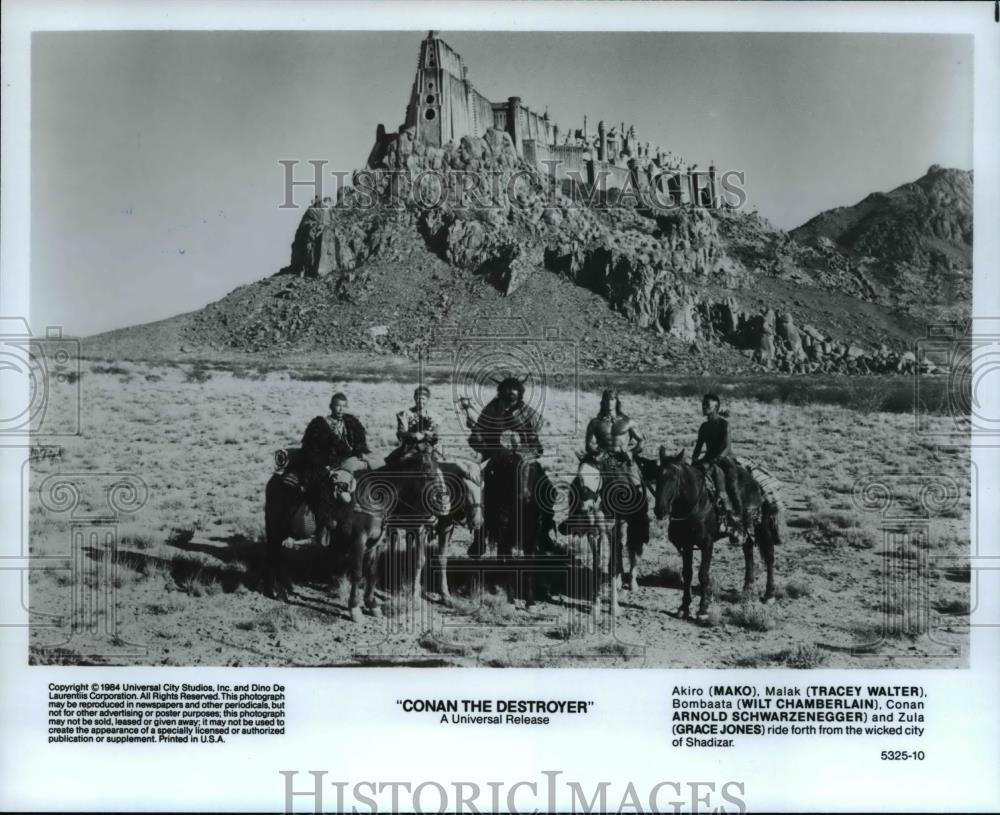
(613, 433)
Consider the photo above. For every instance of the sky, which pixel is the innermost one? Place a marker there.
(156, 186)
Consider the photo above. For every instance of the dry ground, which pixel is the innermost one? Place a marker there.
(854, 589)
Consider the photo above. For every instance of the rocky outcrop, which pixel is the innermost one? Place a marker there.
(683, 275)
(330, 241)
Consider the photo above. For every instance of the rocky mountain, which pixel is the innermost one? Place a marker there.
(914, 243)
(461, 235)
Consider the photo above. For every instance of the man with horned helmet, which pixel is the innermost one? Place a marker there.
(504, 420)
(506, 425)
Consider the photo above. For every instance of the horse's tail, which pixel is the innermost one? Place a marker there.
(438, 495)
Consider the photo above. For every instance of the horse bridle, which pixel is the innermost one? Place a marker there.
(468, 505)
(698, 497)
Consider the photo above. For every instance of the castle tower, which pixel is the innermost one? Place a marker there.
(514, 121)
(439, 101)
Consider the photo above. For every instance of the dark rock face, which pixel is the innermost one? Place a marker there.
(330, 241)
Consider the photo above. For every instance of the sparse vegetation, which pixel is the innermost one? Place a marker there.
(111, 368)
(794, 589)
(199, 374)
(803, 657)
(751, 615)
(189, 561)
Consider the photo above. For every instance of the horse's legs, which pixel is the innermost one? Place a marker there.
(274, 586)
(372, 550)
(357, 547)
(748, 547)
(633, 564)
(766, 541)
(533, 530)
(595, 537)
(687, 572)
(419, 560)
(705, 578)
(638, 532)
(443, 531)
(619, 535)
(278, 512)
(478, 546)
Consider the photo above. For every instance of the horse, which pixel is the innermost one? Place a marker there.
(517, 503)
(465, 496)
(682, 494)
(413, 494)
(356, 532)
(381, 499)
(608, 505)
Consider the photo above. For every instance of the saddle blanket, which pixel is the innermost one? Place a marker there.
(769, 483)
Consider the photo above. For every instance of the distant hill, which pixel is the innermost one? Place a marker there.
(914, 243)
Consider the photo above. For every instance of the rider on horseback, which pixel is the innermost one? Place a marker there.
(505, 425)
(415, 426)
(613, 441)
(337, 441)
(717, 461)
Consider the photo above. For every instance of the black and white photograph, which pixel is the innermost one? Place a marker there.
(565, 365)
(409, 343)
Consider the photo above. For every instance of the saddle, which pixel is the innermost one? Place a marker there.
(612, 464)
(731, 527)
(289, 462)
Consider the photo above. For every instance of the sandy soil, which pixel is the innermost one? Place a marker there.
(857, 587)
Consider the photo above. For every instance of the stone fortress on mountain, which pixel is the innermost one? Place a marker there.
(445, 108)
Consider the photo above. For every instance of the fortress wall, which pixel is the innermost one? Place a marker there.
(615, 175)
(573, 159)
(570, 158)
(449, 60)
(499, 115)
(456, 116)
(534, 126)
(481, 111)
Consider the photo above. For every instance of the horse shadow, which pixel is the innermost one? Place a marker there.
(666, 578)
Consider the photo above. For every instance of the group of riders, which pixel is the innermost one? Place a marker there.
(339, 442)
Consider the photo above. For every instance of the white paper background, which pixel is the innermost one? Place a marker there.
(346, 721)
